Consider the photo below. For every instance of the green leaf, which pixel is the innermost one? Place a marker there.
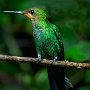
(87, 76)
(84, 88)
(42, 80)
(79, 52)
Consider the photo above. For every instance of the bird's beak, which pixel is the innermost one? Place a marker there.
(28, 15)
(16, 12)
(20, 12)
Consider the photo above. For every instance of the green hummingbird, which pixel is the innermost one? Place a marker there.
(49, 45)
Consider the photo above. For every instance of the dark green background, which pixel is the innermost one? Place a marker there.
(73, 19)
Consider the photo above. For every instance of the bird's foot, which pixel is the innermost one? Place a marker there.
(38, 59)
(54, 60)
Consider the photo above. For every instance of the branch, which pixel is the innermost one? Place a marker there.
(65, 63)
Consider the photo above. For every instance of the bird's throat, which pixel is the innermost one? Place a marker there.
(39, 24)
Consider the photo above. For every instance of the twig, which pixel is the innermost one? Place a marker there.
(64, 63)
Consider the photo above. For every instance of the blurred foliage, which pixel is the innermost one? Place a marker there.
(73, 19)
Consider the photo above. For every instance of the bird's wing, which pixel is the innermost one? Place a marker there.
(58, 34)
(59, 38)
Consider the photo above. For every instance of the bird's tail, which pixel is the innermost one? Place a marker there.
(57, 79)
(68, 83)
(56, 75)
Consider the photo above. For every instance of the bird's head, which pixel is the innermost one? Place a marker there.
(32, 13)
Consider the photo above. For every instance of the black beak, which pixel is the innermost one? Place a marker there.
(16, 12)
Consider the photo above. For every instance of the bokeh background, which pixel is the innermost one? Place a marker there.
(72, 18)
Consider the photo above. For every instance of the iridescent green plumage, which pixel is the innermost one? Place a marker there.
(47, 36)
(48, 43)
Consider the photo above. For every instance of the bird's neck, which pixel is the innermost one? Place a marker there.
(39, 24)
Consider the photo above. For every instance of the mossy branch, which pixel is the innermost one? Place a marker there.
(64, 63)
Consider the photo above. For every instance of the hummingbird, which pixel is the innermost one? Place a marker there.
(49, 45)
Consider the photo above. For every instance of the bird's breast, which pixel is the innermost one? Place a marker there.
(45, 37)
(47, 41)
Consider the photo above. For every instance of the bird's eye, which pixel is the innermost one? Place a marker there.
(31, 11)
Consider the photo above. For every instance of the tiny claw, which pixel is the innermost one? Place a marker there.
(38, 59)
(54, 60)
